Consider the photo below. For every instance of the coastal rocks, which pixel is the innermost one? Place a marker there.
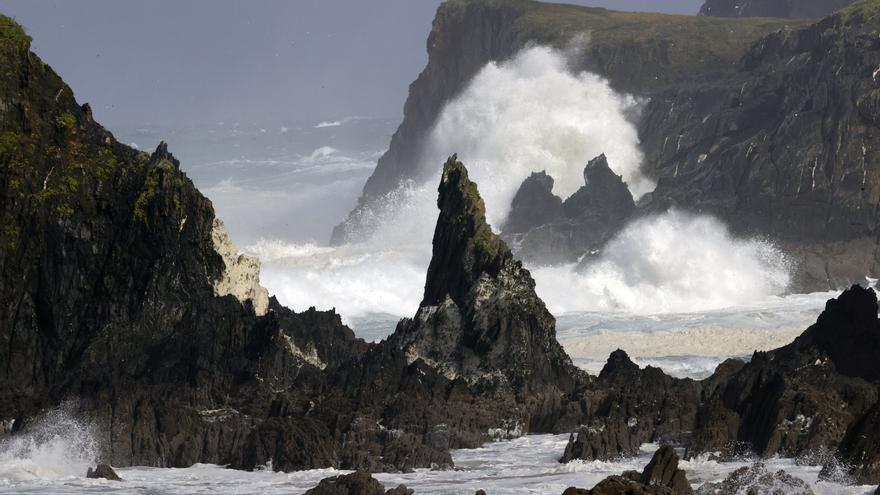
(107, 296)
(806, 397)
(663, 471)
(638, 54)
(660, 477)
(631, 406)
(757, 479)
(356, 483)
(795, 9)
(241, 278)
(799, 168)
(103, 471)
(480, 319)
(533, 205)
(583, 223)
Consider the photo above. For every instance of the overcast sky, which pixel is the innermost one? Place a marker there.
(201, 61)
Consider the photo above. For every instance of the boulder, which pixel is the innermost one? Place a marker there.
(103, 471)
(356, 483)
(757, 479)
(533, 205)
(660, 477)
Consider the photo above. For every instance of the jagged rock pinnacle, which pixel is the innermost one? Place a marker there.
(464, 245)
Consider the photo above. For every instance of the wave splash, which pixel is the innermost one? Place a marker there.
(673, 262)
(527, 114)
(55, 446)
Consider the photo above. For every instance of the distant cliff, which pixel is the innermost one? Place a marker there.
(769, 124)
(638, 52)
(793, 9)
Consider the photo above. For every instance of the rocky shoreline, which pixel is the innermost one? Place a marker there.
(118, 299)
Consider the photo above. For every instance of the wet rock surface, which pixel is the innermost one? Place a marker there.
(357, 483)
(581, 224)
(623, 411)
(757, 479)
(660, 477)
(103, 471)
(108, 303)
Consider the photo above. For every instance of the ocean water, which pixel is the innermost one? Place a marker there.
(527, 465)
(676, 290)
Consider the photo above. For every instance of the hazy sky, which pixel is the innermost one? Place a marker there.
(200, 61)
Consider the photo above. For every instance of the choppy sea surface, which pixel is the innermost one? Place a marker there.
(527, 465)
(281, 187)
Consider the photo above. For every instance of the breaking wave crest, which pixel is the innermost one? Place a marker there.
(672, 262)
(528, 114)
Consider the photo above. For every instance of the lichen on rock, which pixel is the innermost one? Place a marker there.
(241, 278)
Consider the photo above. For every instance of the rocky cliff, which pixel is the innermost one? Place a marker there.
(639, 53)
(794, 9)
(116, 296)
(767, 124)
(124, 299)
(784, 147)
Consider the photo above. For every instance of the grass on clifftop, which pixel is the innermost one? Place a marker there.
(687, 42)
(12, 35)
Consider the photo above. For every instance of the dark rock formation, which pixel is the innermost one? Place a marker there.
(480, 319)
(660, 477)
(585, 222)
(797, 168)
(624, 411)
(756, 479)
(795, 9)
(356, 483)
(103, 471)
(805, 397)
(663, 471)
(533, 205)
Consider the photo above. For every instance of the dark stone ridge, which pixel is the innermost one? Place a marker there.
(584, 223)
(805, 398)
(533, 205)
(660, 477)
(783, 148)
(756, 479)
(103, 471)
(794, 9)
(624, 412)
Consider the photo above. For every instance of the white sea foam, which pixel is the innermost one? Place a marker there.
(532, 113)
(526, 465)
(673, 262)
(55, 446)
(333, 123)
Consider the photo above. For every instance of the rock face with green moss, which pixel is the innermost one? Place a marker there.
(480, 319)
(793, 9)
(108, 303)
